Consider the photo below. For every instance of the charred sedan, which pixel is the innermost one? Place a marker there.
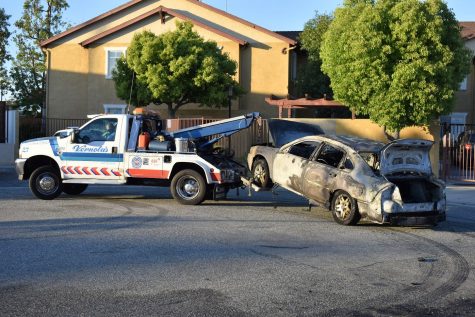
(356, 178)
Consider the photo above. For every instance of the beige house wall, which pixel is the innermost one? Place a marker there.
(465, 99)
(76, 75)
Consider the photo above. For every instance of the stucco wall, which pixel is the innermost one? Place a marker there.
(77, 83)
(465, 99)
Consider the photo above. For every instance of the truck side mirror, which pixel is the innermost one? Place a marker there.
(73, 136)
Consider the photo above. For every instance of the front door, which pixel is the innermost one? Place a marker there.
(319, 176)
(291, 162)
(95, 152)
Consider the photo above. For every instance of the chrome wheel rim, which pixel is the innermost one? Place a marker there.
(188, 187)
(260, 174)
(46, 184)
(343, 206)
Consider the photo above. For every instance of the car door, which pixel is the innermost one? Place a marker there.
(290, 163)
(95, 151)
(319, 176)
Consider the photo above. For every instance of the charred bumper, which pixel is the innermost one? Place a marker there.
(414, 219)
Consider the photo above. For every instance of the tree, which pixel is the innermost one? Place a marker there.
(179, 68)
(40, 20)
(130, 88)
(397, 61)
(311, 80)
(4, 56)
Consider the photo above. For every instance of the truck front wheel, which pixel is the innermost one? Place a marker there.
(45, 183)
(188, 187)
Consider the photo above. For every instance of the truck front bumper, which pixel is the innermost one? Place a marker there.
(20, 168)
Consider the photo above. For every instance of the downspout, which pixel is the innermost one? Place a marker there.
(472, 90)
(48, 57)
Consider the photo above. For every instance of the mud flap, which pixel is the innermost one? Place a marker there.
(219, 192)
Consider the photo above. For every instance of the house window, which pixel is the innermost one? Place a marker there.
(463, 84)
(115, 109)
(112, 55)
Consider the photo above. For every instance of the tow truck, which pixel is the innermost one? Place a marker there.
(133, 149)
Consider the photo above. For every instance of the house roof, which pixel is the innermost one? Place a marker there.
(160, 11)
(468, 30)
(294, 35)
(89, 22)
(134, 2)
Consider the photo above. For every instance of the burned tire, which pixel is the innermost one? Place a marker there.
(74, 189)
(344, 209)
(45, 183)
(188, 187)
(261, 174)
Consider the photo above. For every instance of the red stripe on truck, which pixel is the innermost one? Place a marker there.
(143, 173)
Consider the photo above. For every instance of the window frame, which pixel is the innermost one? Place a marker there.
(343, 158)
(107, 50)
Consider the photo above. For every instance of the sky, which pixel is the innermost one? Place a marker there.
(276, 15)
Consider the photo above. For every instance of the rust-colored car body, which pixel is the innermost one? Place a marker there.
(390, 183)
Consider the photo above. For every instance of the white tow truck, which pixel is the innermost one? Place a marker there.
(134, 150)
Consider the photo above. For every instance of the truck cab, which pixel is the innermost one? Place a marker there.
(133, 150)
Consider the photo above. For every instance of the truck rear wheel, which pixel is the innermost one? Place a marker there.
(45, 183)
(74, 189)
(188, 187)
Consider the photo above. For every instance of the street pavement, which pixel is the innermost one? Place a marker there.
(133, 251)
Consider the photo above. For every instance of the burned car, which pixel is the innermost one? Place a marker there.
(356, 178)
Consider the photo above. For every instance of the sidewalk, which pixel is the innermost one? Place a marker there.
(458, 194)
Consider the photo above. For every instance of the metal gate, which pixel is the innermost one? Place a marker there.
(457, 152)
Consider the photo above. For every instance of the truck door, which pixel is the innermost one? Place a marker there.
(96, 152)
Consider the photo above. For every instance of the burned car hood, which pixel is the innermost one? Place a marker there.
(406, 155)
(285, 131)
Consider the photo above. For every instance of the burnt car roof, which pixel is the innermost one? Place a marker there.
(357, 143)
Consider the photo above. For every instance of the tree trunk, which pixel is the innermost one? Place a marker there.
(392, 135)
(171, 111)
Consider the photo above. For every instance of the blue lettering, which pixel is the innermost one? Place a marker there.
(90, 149)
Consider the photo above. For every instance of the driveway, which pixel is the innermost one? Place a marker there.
(133, 251)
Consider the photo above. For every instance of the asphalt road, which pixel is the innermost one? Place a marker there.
(133, 251)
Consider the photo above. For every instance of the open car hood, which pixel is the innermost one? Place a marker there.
(285, 131)
(406, 155)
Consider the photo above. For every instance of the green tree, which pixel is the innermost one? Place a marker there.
(130, 88)
(180, 68)
(311, 80)
(4, 56)
(397, 61)
(40, 20)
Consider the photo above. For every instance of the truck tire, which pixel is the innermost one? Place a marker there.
(188, 187)
(261, 174)
(74, 189)
(45, 183)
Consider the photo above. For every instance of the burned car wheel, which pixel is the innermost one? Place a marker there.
(74, 189)
(260, 173)
(344, 209)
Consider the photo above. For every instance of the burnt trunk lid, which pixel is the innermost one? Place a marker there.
(406, 156)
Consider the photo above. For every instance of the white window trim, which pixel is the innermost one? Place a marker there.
(107, 50)
(121, 107)
(463, 84)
